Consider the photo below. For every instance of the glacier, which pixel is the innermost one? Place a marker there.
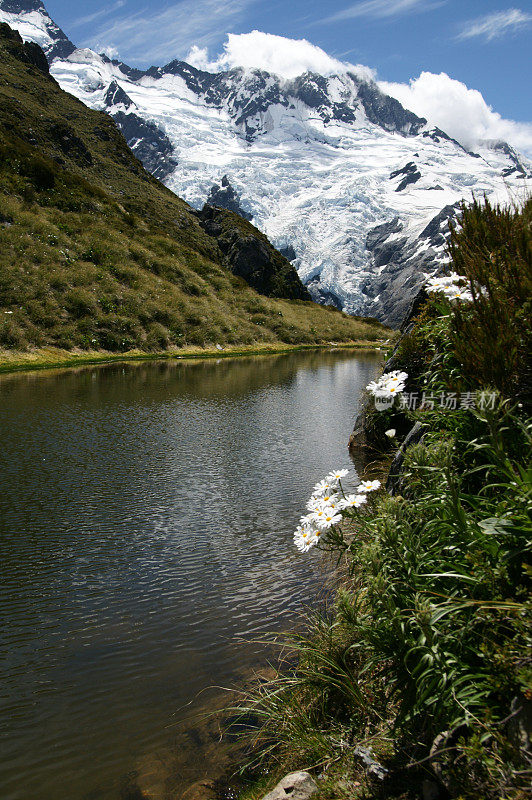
(356, 189)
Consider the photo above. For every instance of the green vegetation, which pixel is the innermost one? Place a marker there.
(425, 654)
(96, 255)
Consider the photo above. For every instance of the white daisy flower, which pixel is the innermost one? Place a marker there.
(315, 517)
(444, 280)
(443, 283)
(457, 293)
(317, 502)
(306, 537)
(328, 519)
(313, 503)
(389, 384)
(395, 377)
(390, 390)
(323, 487)
(368, 486)
(352, 501)
(337, 475)
(374, 387)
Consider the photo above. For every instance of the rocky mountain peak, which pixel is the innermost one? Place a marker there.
(31, 18)
(22, 6)
(320, 162)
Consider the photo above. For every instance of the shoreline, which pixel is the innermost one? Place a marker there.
(52, 358)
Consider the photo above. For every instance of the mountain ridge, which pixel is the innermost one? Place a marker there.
(316, 161)
(96, 254)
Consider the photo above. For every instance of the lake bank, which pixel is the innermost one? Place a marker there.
(417, 682)
(53, 358)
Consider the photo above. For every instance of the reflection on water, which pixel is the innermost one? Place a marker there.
(146, 514)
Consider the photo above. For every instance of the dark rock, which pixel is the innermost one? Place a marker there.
(401, 263)
(225, 196)
(28, 52)
(36, 57)
(248, 253)
(411, 175)
(311, 89)
(149, 143)
(373, 768)
(21, 6)
(436, 134)
(517, 165)
(130, 72)
(393, 484)
(376, 236)
(387, 112)
(324, 297)
(415, 307)
(358, 441)
(248, 94)
(115, 95)
(288, 252)
(437, 231)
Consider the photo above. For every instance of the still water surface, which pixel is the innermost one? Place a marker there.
(146, 513)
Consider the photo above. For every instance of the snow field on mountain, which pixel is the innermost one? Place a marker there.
(306, 159)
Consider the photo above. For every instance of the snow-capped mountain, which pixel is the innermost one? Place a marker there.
(351, 186)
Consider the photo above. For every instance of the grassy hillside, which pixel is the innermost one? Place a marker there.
(95, 254)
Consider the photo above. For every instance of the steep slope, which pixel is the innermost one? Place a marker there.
(318, 162)
(95, 253)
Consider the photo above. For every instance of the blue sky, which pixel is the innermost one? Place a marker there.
(486, 44)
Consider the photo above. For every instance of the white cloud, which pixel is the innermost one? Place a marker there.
(160, 36)
(285, 57)
(382, 9)
(110, 52)
(461, 112)
(495, 25)
(103, 12)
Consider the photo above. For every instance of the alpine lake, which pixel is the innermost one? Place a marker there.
(146, 521)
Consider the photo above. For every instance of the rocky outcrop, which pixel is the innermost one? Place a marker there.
(115, 96)
(149, 143)
(393, 483)
(249, 254)
(58, 45)
(323, 296)
(398, 264)
(29, 52)
(224, 196)
(517, 167)
(386, 111)
(410, 174)
(296, 786)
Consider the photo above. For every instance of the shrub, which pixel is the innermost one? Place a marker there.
(492, 336)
